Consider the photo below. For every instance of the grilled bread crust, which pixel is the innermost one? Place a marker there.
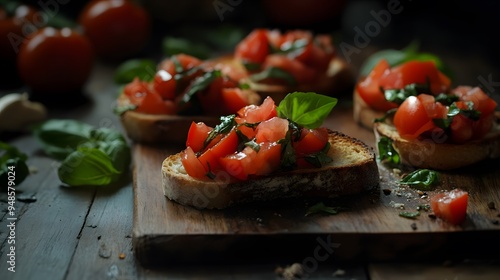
(353, 170)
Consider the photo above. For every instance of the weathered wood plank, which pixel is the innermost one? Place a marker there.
(46, 230)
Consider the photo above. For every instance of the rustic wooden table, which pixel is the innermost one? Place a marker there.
(86, 232)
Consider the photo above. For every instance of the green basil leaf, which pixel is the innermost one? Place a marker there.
(251, 66)
(88, 167)
(226, 124)
(409, 215)
(12, 160)
(275, 73)
(200, 84)
(320, 207)
(173, 45)
(387, 153)
(421, 179)
(399, 95)
(254, 145)
(389, 113)
(393, 57)
(126, 72)
(446, 99)
(288, 155)
(59, 138)
(119, 153)
(294, 48)
(307, 109)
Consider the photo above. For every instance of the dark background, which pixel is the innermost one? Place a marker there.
(463, 33)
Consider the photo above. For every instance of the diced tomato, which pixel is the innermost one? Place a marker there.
(299, 71)
(248, 131)
(197, 135)
(258, 113)
(185, 60)
(164, 84)
(136, 90)
(249, 162)
(227, 145)
(254, 48)
(152, 103)
(271, 130)
(192, 164)
(415, 72)
(450, 206)
(233, 99)
(481, 100)
(414, 116)
(369, 88)
(461, 129)
(311, 141)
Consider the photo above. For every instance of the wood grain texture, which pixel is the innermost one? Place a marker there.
(367, 227)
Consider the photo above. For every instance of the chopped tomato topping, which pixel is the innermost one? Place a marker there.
(450, 206)
(255, 114)
(254, 48)
(271, 130)
(197, 134)
(192, 164)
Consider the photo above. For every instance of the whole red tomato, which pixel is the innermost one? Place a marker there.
(117, 29)
(55, 61)
(15, 24)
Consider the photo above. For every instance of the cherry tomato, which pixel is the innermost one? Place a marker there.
(414, 116)
(254, 48)
(450, 206)
(55, 60)
(14, 27)
(117, 28)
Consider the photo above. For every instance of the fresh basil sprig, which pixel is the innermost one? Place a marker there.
(12, 160)
(453, 111)
(200, 84)
(320, 207)
(226, 124)
(307, 109)
(421, 179)
(89, 156)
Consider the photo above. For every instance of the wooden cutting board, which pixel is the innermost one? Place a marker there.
(367, 227)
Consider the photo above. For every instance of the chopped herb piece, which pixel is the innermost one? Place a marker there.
(446, 99)
(226, 124)
(387, 153)
(251, 66)
(409, 215)
(421, 179)
(276, 73)
(254, 145)
(399, 95)
(320, 207)
(119, 110)
(200, 84)
(126, 72)
(288, 156)
(320, 158)
(423, 207)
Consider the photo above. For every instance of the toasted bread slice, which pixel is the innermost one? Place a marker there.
(353, 170)
(364, 114)
(149, 128)
(426, 153)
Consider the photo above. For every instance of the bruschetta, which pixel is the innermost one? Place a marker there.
(269, 152)
(265, 63)
(442, 132)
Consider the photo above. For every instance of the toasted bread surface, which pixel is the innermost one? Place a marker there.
(438, 154)
(364, 114)
(353, 170)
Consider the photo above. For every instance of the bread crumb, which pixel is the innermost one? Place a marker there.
(397, 205)
(121, 256)
(290, 272)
